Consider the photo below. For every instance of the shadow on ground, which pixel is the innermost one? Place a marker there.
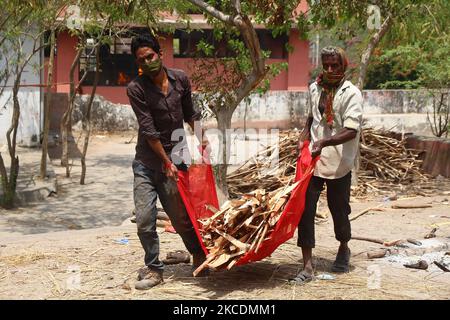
(105, 200)
(263, 275)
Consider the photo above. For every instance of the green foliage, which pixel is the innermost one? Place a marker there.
(206, 48)
(395, 69)
(422, 65)
(415, 23)
(277, 16)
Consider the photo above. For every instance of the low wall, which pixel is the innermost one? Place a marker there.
(402, 111)
(396, 110)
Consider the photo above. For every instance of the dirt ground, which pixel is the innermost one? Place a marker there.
(80, 244)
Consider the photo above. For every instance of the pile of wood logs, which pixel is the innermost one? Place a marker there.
(384, 163)
(260, 172)
(387, 158)
(241, 225)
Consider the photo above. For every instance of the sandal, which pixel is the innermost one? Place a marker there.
(302, 278)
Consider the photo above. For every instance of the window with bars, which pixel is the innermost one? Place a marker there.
(117, 65)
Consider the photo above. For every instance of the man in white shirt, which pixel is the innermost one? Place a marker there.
(333, 127)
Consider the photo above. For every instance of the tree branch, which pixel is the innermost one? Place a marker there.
(244, 24)
(237, 6)
(258, 61)
(374, 40)
(214, 12)
(3, 173)
(19, 22)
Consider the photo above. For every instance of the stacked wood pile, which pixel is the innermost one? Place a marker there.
(385, 163)
(241, 226)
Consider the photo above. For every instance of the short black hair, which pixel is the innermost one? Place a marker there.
(145, 40)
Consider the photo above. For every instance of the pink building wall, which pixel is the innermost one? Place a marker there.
(299, 65)
(294, 79)
(66, 52)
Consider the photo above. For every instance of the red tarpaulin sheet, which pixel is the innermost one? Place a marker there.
(197, 189)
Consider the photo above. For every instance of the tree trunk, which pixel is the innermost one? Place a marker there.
(5, 200)
(365, 59)
(251, 80)
(47, 106)
(9, 191)
(223, 117)
(373, 43)
(87, 117)
(66, 121)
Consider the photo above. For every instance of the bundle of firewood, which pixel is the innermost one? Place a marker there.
(241, 226)
(384, 162)
(259, 172)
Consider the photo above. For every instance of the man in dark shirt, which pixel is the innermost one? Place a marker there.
(161, 99)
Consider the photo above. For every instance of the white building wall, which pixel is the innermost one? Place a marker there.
(30, 99)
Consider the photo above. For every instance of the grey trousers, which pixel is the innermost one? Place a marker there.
(148, 185)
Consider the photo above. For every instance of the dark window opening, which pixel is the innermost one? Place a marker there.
(277, 46)
(47, 44)
(194, 11)
(117, 65)
(185, 44)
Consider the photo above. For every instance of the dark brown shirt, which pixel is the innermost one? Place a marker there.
(159, 115)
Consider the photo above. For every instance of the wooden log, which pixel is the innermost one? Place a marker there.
(431, 234)
(384, 243)
(222, 259)
(377, 254)
(421, 265)
(204, 264)
(368, 239)
(232, 263)
(399, 242)
(441, 266)
(233, 240)
(410, 206)
(261, 238)
(415, 242)
(365, 211)
(211, 208)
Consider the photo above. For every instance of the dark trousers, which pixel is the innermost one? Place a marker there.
(338, 198)
(148, 185)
